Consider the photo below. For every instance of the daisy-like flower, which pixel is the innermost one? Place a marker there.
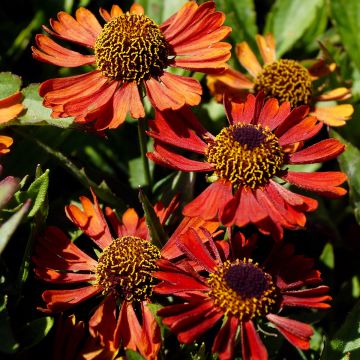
(238, 293)
(10, 108)
(120, 276)
(130, 53)
(249, 158)
(283, 79)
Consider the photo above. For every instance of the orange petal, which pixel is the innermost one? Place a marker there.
(137, 9)
(320, 68)
(88, 20)
(5, 143)
(334, 115)
(267, 48)
(341, 93)
(248, 59)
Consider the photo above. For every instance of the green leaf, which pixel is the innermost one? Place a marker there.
(133, 355)
(154, 308)
(160, 10)
(37, 192)
(33, 332)
(8, 187)
(346, 342)
(350, 164)
(241, 17)
(9, 227)
(157, 233)
(327, 256)
(8, 344)
(289, 20)
(346, 15)
(36, 113)
(9, 84)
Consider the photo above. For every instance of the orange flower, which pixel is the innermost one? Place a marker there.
(131, 53)
(283, 79)
(10, 108)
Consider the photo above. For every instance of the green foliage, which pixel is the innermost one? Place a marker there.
(9, 84)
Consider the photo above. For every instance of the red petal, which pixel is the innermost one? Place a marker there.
(292, 119)
(321, 151)
(252, 346)
(62, 277)
(210, 201)
(191, 244)
(60, 300)
(324, 183)
(225, 339)
(305, 130)
(268, 112)
(296, 332)
(52, 53)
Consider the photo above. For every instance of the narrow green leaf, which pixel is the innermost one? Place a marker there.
(9, 227)
(350, 164)
(35, 331)
(9, 84)
(157, 233)
(346, 15)
(346, 342)
(37, 192)
(327, 256)
(154, 308)
(289, 20)
(8, 344)
(36, 113)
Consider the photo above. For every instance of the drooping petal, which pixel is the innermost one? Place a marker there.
(252, 346)
(57, 277)
(10, 107)
(341, 93)
(210, 201)
(225, 339)
(296, 332)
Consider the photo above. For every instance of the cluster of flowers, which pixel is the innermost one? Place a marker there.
(207, 275)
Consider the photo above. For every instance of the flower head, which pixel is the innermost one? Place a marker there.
(238, 292)
(282, 79)
(122, 274)
(249, 160)
(130, 53)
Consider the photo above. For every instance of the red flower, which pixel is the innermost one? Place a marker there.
(248, 159)
(237, 293)
(130, 53)
(121, 274)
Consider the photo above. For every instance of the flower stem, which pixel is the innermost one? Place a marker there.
(143, 148)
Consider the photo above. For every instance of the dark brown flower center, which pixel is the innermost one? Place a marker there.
(246, 155)
(125, 268)
(285, 80)
(242, 289)
(131, 47)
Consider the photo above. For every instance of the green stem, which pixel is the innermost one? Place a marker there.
(143, 149)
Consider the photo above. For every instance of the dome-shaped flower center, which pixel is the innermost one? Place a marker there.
(125, 268)
(131, 47)
(246, 155)
(285, 80)
(242, 289)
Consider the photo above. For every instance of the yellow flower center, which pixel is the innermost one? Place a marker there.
(125, 268)
(131, 47)
(242, 289)
(246, 155)
(285, 80)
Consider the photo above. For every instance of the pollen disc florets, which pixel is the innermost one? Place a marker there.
(131, 47)
(246, 155)
(285, 80)
(242, 289)
(125, 268)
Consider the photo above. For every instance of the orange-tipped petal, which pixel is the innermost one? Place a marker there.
(334, 115)
(137, 9)
(248, 59)
(341, 93)
(267, 48)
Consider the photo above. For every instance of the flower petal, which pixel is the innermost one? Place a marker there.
(225, 339)
(252, 346)
(248, 59)
(322, 151)
(334, 115)
(266, 45)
